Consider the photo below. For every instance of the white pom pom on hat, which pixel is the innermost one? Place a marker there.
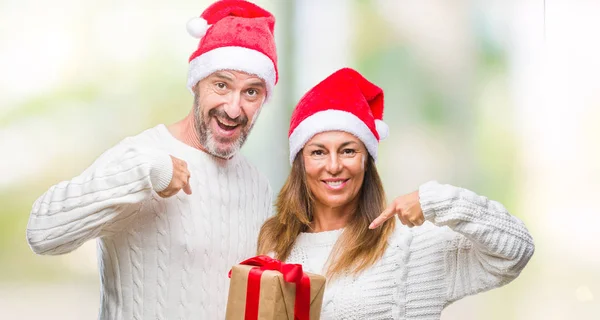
(382, 129)
(233, 35)
(197, 27)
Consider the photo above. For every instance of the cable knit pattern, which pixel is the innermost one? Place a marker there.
(158, 258)
(187, 224)
(162, 255)
(136, 257)
(468, 245)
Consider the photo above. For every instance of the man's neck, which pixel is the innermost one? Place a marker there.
(185, 131)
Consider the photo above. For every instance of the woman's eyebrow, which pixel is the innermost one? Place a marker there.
(316, 145)
(347, 143)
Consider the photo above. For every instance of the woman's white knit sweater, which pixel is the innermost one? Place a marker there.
(158, 258)
(469, 244)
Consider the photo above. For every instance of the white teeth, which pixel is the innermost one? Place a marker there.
(227, 123)
(334, 183)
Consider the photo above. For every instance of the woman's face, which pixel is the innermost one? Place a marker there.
(335, 167)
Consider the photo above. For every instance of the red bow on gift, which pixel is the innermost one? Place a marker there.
(291, 273)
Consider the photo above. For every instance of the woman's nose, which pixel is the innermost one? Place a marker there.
(334, 164)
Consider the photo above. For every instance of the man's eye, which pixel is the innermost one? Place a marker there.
(221, 85)
(252, 92)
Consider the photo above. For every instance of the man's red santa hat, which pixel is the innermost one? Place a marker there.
(234, 35)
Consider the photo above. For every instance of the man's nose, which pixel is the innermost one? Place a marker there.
(233, 107)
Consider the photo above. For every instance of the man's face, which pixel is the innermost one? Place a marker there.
(226, 105)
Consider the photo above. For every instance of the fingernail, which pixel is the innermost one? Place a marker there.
(372, 225)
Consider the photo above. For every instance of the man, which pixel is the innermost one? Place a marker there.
(173, 208)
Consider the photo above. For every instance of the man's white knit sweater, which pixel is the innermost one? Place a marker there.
(158, 258)
(469, 244)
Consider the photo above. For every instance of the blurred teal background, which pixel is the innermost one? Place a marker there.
(500, 97)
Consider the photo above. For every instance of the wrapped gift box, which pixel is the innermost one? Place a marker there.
(263, 288)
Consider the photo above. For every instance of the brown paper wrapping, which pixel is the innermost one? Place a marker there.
(277, 297)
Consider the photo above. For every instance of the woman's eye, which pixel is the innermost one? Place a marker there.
(348, 151)
(317, 153)
(221, 85)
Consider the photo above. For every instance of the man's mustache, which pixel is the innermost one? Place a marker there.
(220, 113)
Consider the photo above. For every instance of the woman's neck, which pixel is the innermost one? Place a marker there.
(326, 218)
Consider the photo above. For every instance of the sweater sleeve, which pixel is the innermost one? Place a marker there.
(485, 247)
(98, 201)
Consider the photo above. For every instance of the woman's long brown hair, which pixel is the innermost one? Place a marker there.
(361, 247)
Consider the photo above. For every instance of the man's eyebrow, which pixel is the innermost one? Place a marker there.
(259, 84)
(222, 76)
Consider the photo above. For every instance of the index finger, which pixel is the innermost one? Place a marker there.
(187, 188)
(385, 215)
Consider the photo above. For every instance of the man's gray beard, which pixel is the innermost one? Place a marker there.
(207, 139)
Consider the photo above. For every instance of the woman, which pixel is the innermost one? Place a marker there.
(332, 218)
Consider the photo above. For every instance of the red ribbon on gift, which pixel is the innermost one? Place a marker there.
(291, 273)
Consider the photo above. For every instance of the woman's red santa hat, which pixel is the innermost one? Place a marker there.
(344, 101)
(234, 35)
